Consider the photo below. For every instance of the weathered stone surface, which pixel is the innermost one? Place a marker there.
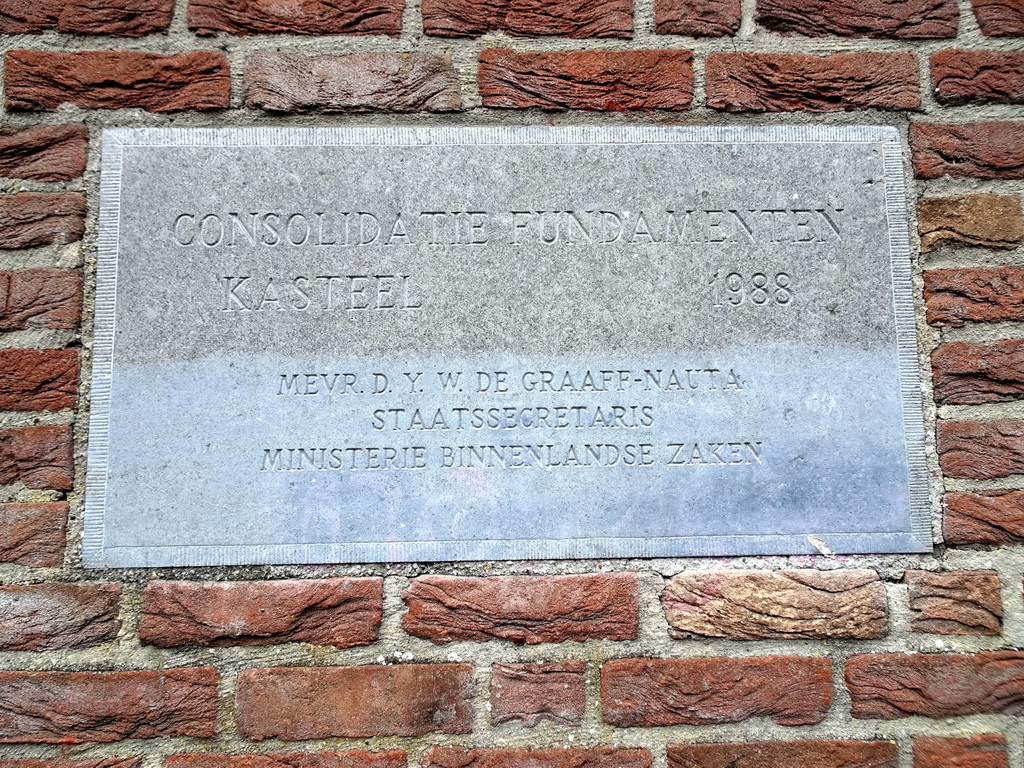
(38, 379)
(806, 754)
(523, 609)
(566, 18)
(1000, 18)
(787, 82)
(535, 692)
(127, 18)
(956, 602)
(353, 758)
(976, 294)
(749, 605)
(654, 692)
(40, 298)
(978, 150)
(697, 18)
(31, 220)
(572, 757)
(338, 612)
(981, 450)
(323, 702)
(986, 750)
(993, 221)
(888, 686)
(598, 80)
(907, 19)
(39, 457)
(43, 152)
(80, 707)
(359, 82)
(968, 373)
(47, 617)
(965, 77)
(33, 534)
(117, 79)
(302, 17)
(60, 762)
(992, 518)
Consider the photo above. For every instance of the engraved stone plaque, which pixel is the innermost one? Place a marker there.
(378, 344)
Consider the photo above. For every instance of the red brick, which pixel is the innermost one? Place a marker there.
(38, 379)
(524, 609)
(39, 457)
(955, 602)
(338, 612)
(128, 18)
(790, 690)
(993, 518)
(806, 754)
(697, 18)
(1000, 18)
(47, 617)
(301, 17)
(968, 373)
(987, 750)
(353, 758)
(888, 686)
(323, 702)
(991, 221)
(977, 294)
(43, 152)
(904, 19)
(965, 77)
(979, 450)
(978, 150)
(33, 534)
(579, 757)
(117, 79)
(531, 18)
(535, 692)
(31, 220)
(357, 82)
(40, 298)
(597, 80)
(787, 82)
(59, 762)
(80, 707)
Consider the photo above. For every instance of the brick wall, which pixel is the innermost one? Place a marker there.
(744, 662)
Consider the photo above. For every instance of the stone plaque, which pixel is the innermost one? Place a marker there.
(378, 344)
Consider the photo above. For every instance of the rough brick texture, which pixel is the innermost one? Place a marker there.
(565, 18)
(319, 703)
(117, 79)
(43, 152)
(129, 18)
(338, 612)
(609, 80)
(358, 82)
(787, 82)
(534, 692)
(888, 686)
(955, 602)
(906, 19)
(993, 221)
(33, 534)
(979, 150)
(980, 294)
(987, 750)
(654, 692)
(523, 609)
(79, 707)
(981, 450)
(303, 17)
(353, 758)
(39, 457)
(46, 617)
(697, 18)
(1000, 18)
(31, 220)
(968, 373)
(806, 754)
(749, 605)
(59, 762)
(593, 757)
(993, 518)
(40, 298)
(38, 379)
(964, 77)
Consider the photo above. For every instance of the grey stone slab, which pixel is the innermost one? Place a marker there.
(367, 344)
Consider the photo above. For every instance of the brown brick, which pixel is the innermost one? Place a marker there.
(117, 79)
(806, 754)
(357, 82)
(323, 702)
(530, 18)
(977, 294)
(751, 605)
(906, 19)
(787, 82)
(299, 17)
(992, 221)
(47, 617)
(38, 379)
(955, 602)
(353, 758)
(39, 457)
(40, 298)
(978, 150)
(535, 692)
(981, 450)
(127, 18)
(968, 373)
(79, 707)
(985, 77)
(993, 518)
(790, 690)
(31, 220)
(986, 750)
(578, 757)
(338, 612)
(697, 18)
(524, 609)
(888, 686)
(1000, 18)
(43, 152)
(33, 534)
(60, 762)
(596, 80)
